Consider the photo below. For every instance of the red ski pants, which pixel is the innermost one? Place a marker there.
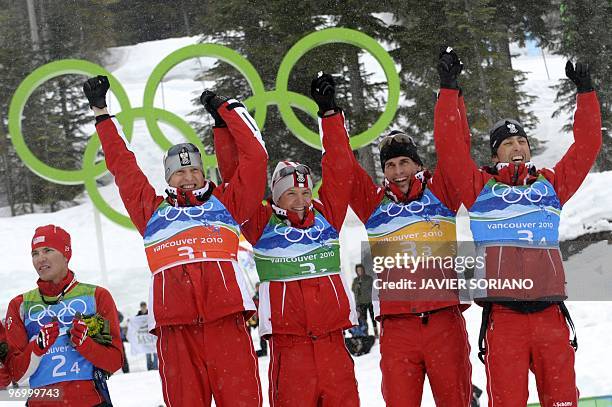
(438, 346)
(311, 372)
(518, 342)
(214, 359)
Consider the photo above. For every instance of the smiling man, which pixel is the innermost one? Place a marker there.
(65, 334)
(422, 331)
(514, 212)
(198, 293)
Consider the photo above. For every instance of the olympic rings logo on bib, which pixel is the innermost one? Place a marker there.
(414, 207)
(512, 194)
(68, 309)
(173, 213)
(295, 235)
(284, 99)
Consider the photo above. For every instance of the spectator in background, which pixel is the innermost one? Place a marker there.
(362, 288)
(151, 357)
(254, 323)
(123, 330)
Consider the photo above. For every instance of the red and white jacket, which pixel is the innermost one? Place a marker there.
(208, 290)
(312, 306)
(23, 362)
(467, 180)
(5, 374)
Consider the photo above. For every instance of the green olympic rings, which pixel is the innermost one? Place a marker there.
(23, 93)
(261, 99)
(334, 35)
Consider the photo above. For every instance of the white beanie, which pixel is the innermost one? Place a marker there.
(281, 183)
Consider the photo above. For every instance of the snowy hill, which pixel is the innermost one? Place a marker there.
(128, 276)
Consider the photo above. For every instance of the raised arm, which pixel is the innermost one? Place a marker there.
(337, 160)
(244, 191)
(137, 194)
(570, 171)
(450, 132)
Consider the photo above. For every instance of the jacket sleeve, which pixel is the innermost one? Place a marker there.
(454, 160)
(571, 170)
(245, 189)
(106, 357)
(226, 152)
(5, 375)
(137, 194)
(255, 225)
(336, 168)
(23, 362)
(365, 195)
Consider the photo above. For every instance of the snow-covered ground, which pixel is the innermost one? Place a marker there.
(128, 277)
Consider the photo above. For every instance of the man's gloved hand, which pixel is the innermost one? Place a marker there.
(581, 76)
(46, 338)
(449, 68)
(211, 103)
(78, 332)
(323, 91)
(95, 89)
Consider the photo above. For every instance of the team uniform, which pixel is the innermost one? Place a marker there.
(199, 295)
(423, 330)
(304, 303)
(77, 371)
(514, 217)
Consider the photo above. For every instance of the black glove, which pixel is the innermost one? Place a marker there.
(95, 89)
(449, 68)
(211, 103)
(581, 76)
(323, 91)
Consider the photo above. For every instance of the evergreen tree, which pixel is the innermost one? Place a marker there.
(584, 35)
(55, 113)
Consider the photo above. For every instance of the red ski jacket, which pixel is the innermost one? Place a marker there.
(313, 306)
(5, 375)
(208, 290)
(24, 362)
(467, 180)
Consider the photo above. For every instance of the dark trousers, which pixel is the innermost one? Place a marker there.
(363, 309)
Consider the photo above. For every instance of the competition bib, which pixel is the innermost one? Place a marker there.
(62, 362)
(180, 235)
(525, 215)
(287, 253)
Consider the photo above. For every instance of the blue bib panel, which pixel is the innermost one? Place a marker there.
(287, 253)
(62, 362)
(525, 215)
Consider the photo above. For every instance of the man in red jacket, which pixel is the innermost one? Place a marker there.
(304, 303)
(191, 237)
(514, 215)
(422, 331)
(65, 333)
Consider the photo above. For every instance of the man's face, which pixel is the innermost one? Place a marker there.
(188, 179)
(400, 170)
(50, 264)
(514, 149)
(295, 199)
(360, 271)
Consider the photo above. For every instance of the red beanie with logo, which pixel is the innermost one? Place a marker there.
(54, 237)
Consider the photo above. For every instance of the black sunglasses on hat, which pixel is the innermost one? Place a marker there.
(300, 169)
